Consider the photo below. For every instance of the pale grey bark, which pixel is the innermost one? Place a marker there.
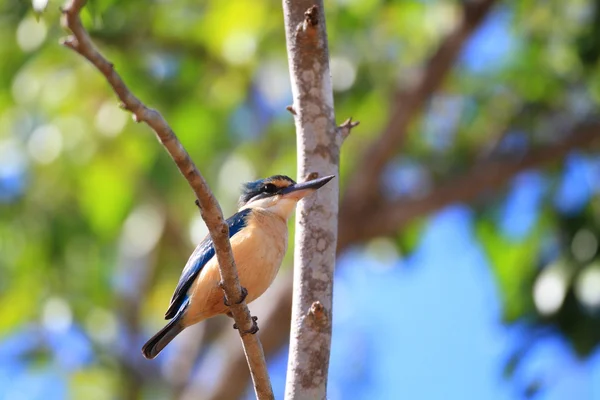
(318, 141)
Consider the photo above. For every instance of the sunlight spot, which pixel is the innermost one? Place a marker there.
(441, 18)
(74, 129)
(11, 156)
(45, 144)
(198, 230)
(31, 33)
(549, 290)
(587, 286)
(142, 230)
(39, 5)
(384, 253)
(57, 316)
(343, 73)
(584, 245)
(16, 122)
(273, 81)
(26, 87)
(57, 88)
(101, 326)
(239, 47)
(236, 169)
(79, 143)
(110, 119)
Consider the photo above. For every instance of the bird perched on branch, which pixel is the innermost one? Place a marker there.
(258, 236)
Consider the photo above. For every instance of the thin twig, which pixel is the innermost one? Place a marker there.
(209, 207)
(290, 108)
(346, 127)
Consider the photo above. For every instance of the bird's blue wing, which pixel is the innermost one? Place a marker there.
(201, 255)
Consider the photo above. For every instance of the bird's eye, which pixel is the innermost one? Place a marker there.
(269, 188)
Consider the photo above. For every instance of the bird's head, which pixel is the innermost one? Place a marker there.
(278, 194)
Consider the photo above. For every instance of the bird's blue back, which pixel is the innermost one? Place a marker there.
(202, 255)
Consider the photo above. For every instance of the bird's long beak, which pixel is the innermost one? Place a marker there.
(302, 189)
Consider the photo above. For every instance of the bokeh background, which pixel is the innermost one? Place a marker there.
(497, 297)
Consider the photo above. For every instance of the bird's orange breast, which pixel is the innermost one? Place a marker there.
(258, 250)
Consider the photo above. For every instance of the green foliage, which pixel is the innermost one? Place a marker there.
(408, 239)
(217, 71)
(513, 263)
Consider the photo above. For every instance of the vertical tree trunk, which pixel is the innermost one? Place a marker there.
(319, 144)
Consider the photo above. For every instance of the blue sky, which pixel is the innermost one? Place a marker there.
(428, 326)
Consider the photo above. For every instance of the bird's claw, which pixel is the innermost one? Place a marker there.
(252, 330)
(225, 299)
(243, 295)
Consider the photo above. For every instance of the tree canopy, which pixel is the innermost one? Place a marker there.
(478, 98)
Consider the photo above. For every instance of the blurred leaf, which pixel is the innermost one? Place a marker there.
(20, 303)
(93, 383)
(514, 265)
(106, 194)
(408, 239)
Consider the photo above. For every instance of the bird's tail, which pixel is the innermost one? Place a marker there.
(158, 342)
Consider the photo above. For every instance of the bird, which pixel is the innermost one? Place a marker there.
(258, 236)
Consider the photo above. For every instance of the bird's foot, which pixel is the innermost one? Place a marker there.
(225, 299)
(244, 294)
(252, 330)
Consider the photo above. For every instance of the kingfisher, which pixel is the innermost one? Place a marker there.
(258, 236)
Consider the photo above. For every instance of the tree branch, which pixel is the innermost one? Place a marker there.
(319, 141)
(485, 177)
(232, 383)
(346, 127)
(389, 218)
(364, 186)
(209, 207)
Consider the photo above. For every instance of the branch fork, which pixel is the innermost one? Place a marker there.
(311, 17)
(346, 127)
